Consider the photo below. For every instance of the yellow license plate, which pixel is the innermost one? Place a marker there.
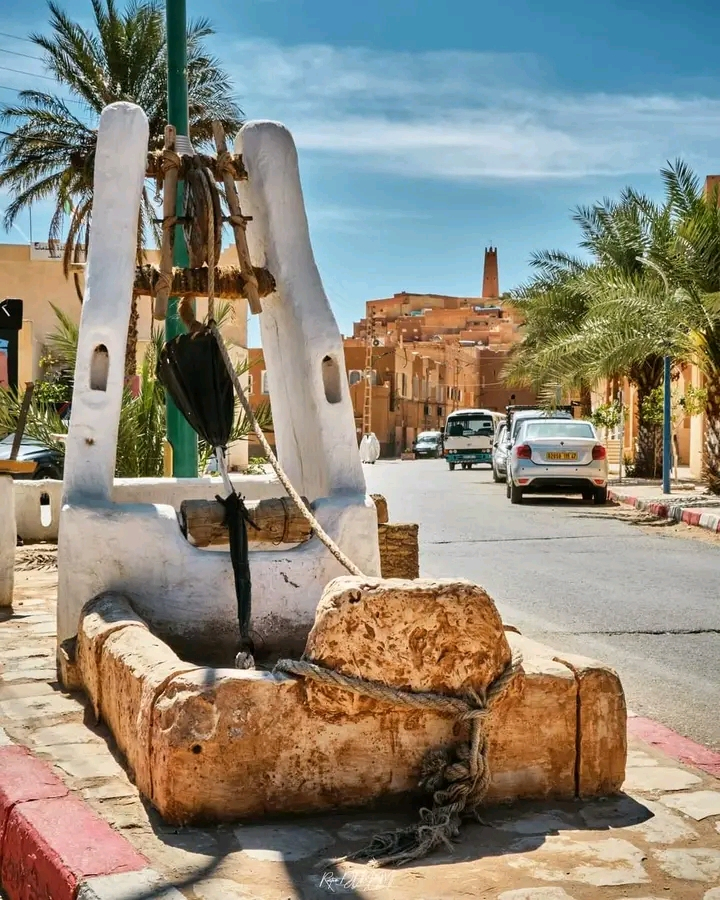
(563, 456)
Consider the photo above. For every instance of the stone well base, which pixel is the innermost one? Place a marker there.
(211, 745)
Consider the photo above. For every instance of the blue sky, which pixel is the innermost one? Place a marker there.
(429, 128)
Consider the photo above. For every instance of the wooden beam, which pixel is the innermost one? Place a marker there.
(229, 282)
(278, 520)
(17, 466)
(238, 222)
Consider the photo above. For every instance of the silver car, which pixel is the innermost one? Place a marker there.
(500, 453)
(555, 456)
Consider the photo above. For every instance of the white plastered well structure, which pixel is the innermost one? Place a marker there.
(187, 594)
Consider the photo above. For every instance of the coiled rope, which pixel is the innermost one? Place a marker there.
(457, 780)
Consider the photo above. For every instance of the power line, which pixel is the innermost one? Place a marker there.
(16, 37)
(39, 140)
(30, 74)
(24, 55)
(6, 87)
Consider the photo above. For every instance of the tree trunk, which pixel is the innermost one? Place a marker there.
(711, 449)
(586, 400)
(131, 345)
(648, 448)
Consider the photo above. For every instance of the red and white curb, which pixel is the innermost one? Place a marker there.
(677, 512)
(52, 844)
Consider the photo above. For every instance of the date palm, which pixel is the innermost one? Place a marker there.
(50, 153)
(551, 303)
(694, 265)
(577, 331)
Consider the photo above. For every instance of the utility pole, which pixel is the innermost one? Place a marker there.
(180, 435)
(667, 426)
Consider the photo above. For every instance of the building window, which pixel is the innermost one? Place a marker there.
(250, 384)
(354, 376)
(404, 385)
(264, 382)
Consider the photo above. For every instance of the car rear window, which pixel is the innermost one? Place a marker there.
(557, 428)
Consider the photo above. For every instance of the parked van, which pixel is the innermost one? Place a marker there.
(468, 437)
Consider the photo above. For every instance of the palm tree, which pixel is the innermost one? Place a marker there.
(693, 263)
(51, 150)
(550, 303)
(577, 329)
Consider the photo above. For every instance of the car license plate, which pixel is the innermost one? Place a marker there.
(562, 456)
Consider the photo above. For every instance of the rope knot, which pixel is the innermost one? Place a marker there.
(170, 160)
(457, 778)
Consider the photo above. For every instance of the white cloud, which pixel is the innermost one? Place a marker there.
(459, 115)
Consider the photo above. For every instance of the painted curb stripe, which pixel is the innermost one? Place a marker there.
(709, 521)
(675, 745)
(51, 840)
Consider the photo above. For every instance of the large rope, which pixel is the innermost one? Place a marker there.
(325, 538)
(458, 784)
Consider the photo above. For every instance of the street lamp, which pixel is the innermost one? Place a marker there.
(667, 401)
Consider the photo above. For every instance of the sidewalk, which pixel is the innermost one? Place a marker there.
(687, 502)
(661, 838)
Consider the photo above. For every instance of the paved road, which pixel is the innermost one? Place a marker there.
(573, 577)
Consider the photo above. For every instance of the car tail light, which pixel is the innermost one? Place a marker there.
(524, 451)
(599, 452)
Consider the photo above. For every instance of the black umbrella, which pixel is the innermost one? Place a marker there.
(192, 371)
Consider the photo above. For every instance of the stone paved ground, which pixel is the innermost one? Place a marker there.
(660, 839)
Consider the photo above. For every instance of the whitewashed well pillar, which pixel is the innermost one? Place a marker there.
(8, 540)
(120, 163)
(313, 417)
(91, 444)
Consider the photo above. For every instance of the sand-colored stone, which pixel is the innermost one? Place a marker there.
(100, 618)
(399, 550)
(381, 507)
(221, 745)
(602, 737)
(532, 731)
(444, 635)
(123, 666)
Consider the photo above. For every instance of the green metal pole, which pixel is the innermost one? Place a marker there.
(180, 435)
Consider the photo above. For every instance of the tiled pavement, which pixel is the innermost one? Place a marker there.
(660, 839)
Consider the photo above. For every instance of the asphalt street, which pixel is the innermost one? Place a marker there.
(575, 577)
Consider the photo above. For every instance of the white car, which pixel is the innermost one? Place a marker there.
(555, 456)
